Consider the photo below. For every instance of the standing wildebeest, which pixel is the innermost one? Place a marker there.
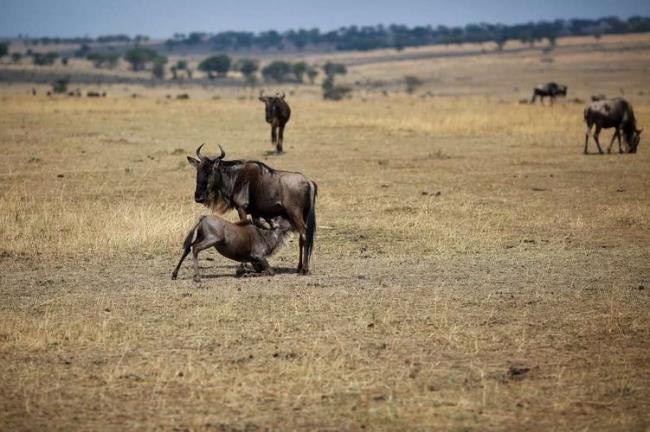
(277, 115)
(254, 188)
(551, 90)
(613, 113)
(242, 241)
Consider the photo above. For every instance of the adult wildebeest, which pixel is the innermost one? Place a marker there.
(277, 115)
(242, 241)
(612, 113)
(598, 97)
(254, 188)
(551, 90)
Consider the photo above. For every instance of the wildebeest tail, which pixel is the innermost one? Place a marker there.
(311, 219)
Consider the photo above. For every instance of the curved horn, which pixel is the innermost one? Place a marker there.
(261, 93)
(198, 151)
(278, 95)
(223, 153)
(639, 131)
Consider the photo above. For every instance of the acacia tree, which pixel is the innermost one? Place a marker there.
(277, 71)
(139, 57)
(299, 70)
(219, 65)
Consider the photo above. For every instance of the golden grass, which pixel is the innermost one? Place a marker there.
(460, 239)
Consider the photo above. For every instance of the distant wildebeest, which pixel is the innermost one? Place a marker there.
(254, 188)
(277, 115)
(242, 241)
(598, 97)
(613, 113)
(551, 90)
(93, 94)
(183, 96)
(33, 91)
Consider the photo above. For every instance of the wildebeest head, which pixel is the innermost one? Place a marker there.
(561, 90)
(634, 140)
(205, 167)
(271, 103)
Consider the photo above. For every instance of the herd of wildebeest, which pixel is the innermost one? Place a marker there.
(280, 202)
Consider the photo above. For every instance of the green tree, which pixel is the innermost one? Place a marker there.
(332, 69)
(299, 70)
(248, 68)
(139, 57)
(158, 70)
(219, 64)
(4, 49)
(278, 71)
(103, 60)
(312, 73)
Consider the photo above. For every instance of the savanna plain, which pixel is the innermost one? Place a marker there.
(473, 270)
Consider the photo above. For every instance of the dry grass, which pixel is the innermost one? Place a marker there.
(473, 270)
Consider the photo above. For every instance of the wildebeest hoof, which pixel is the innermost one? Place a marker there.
(174, 275)
(303, 272)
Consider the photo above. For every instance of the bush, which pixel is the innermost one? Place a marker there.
(4, 49)
(412, 82)
(40, 59)
(312, 73)
(332, 69)
(101, 60)
(60, 86)
(16, 57)
(332, 91)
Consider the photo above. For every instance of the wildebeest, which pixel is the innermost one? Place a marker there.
(93, 94)
(243, 242)
(598, 97)
(551, 90)
(277, 115)
(612, 113)
(254, 188)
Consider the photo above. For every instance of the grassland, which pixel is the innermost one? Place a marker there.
(473, 270)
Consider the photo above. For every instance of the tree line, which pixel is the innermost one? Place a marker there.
(365, 38)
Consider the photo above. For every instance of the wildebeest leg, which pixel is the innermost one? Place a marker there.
(196, 248)
(298, 224)
(618, 133)
(273, 134)
(596, 135)
(587, 137)
(242, 213)
(186, 252)
(280, 139)
(262, 266)
(611, 143)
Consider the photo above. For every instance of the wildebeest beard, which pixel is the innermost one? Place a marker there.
(219, 192)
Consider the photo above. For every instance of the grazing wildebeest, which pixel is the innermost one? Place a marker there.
(254, 188)
(277, 115)
(93, 94)
(242, 241)
(613, 113)
(551, 90)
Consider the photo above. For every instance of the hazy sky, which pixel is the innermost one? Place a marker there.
(163, 18)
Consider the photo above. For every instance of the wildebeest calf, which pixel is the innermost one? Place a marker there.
(243, 242)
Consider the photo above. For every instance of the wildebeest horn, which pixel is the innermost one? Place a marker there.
(639, 131)
(261, 93)
(223, 153)
(281, 97)
(198, 151)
